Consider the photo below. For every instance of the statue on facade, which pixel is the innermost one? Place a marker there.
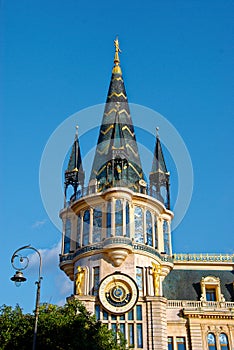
(156, 270)
(79, 280)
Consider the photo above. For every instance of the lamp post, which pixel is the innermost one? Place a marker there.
(18, 278)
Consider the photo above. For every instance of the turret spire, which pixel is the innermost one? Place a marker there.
(117, 161)
(74, 175)
(159, 176)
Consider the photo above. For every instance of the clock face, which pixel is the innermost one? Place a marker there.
(118, 293)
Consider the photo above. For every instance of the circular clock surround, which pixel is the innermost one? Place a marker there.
(118, 293)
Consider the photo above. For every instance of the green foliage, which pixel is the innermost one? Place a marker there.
(59, 328)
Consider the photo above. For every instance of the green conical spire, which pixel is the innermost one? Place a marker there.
(117, 160)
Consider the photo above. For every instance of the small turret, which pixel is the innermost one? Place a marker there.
(159, 176)
(74, 175)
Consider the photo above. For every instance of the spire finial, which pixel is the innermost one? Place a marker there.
(157, 131)
(117, 50)
(76, 135)
(117, 68)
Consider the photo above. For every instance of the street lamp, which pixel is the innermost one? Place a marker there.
(18, 278)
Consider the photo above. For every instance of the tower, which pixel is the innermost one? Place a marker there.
(116, 244)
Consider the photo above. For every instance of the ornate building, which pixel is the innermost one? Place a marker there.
(117, 246)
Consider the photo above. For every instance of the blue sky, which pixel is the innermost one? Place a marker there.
(56, 59)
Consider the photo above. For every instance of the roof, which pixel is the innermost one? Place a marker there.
(117, 136)
(185, 284)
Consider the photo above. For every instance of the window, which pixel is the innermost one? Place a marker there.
(139, 278)
(138, 219)
(118, 218)
(129, 324)
(156, 232)
(149, 233)
(139, 336)
(78, 239)
(130, 315)
(223, 341)
(211, 341)
(96, 277)
(210, 294)
(170, 343)
(67, 236)
(97, 312)
(166, 237)
(180, 342)
(86, 227)
(97, 224)
(108, 219)
(122, 328)
(127, 220)
(210, 289)
(131, 334)
(139, 312)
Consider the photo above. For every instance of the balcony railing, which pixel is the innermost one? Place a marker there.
(89, 190)
(196, 305)
(114, 240)
(204, 257)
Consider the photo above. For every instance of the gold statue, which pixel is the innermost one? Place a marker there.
(79, 280)
(156, 270)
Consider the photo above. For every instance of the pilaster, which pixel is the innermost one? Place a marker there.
(195, 334)
(156, 323)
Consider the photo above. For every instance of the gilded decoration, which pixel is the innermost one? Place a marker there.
(156, 271)
(80, 276)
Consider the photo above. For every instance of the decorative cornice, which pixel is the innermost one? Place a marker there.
(204, 258)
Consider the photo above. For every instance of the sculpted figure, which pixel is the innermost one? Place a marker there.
(79, 280)
(156, 270)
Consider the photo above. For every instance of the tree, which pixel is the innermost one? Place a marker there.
(59, 328)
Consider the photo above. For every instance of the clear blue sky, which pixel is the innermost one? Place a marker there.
(56, 59)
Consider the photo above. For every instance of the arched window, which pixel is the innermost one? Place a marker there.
(138, 219)
(223, 341)
(211, 341)
(127, 220)
(118, 218)
(156, 232)
(108, 219)
(149, 234)
(78, 239)
(97, 225)
(86, 227)
(166, 237)
(67, 237)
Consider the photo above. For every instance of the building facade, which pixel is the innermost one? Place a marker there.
(117, 246)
